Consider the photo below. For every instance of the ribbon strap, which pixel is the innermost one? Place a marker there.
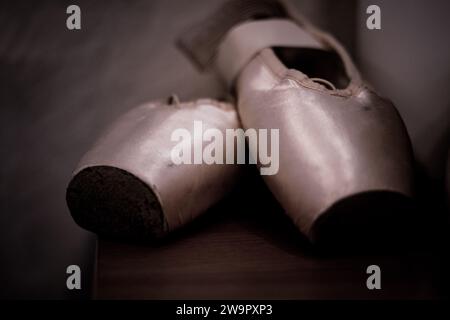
(245, 40)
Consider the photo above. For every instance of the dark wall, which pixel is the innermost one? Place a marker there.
(408, 60)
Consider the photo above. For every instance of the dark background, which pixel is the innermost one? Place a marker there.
(60, 88)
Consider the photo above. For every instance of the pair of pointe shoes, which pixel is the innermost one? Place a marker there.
(345, 158)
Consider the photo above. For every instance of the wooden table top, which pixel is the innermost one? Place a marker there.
(246, 248)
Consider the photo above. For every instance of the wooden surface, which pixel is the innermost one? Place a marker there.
(247, 248)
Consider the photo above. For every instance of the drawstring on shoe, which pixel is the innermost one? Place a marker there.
(324, 82)
(173, 99)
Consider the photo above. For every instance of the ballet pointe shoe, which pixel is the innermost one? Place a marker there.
(345, 157)
(127, 185)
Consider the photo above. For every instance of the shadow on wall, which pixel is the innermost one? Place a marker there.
(408, 61)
